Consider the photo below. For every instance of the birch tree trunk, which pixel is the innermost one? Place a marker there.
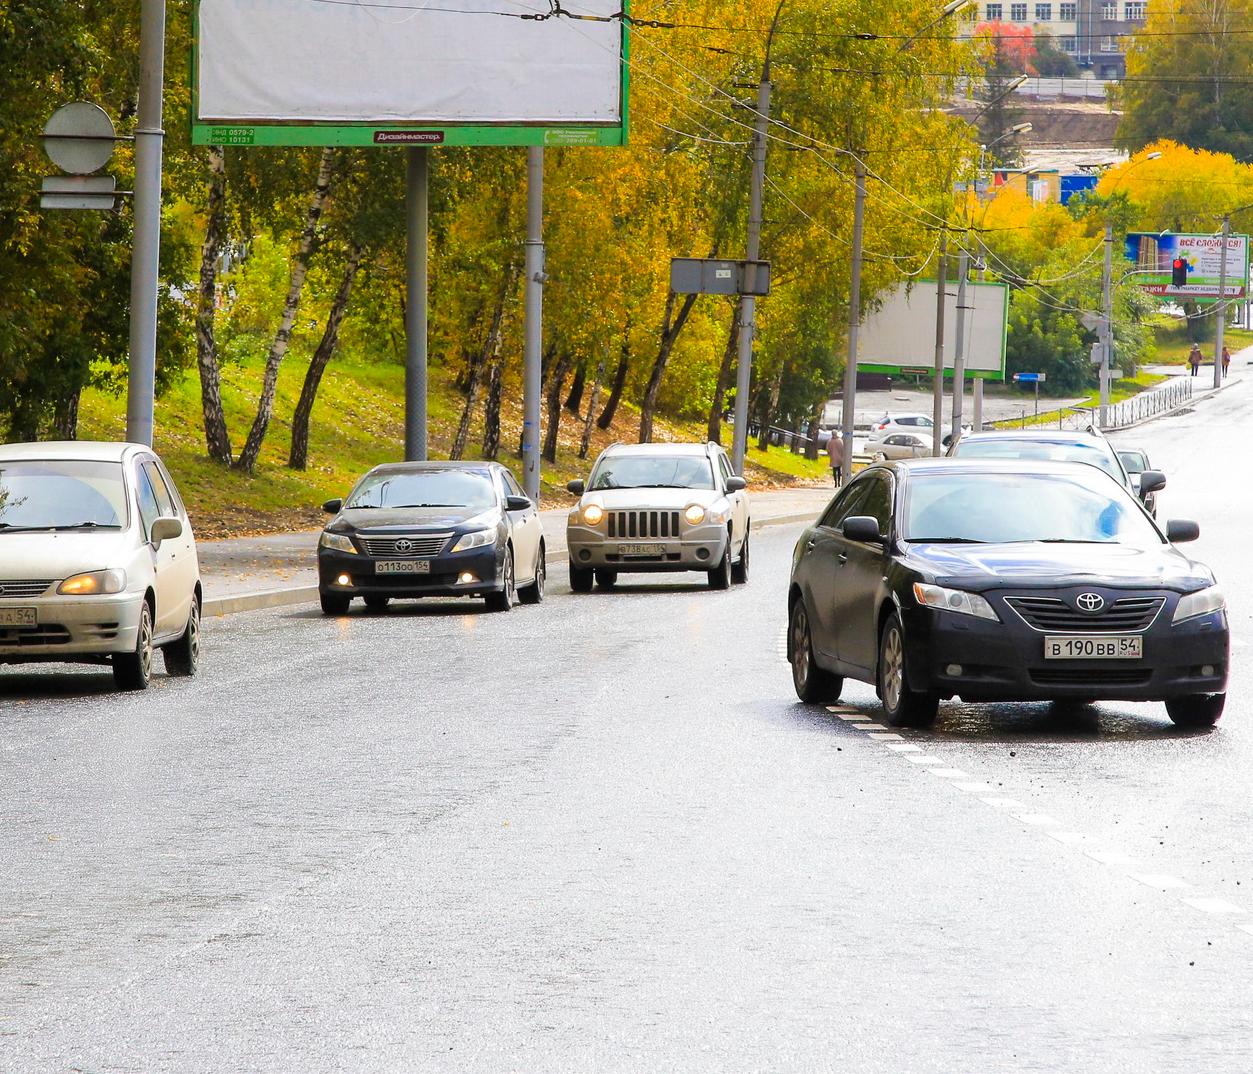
(479, 361)
(491, 413)
(298, 459)
(217, 436)
(593, 398)
(724, 378)
(671, 326)
(247, 460)
(619, 382)
(560, 368)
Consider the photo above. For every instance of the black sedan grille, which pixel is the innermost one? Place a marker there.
(24, 588)
(643, 524)
(1090, 676)
(406, 546)
(1126, 615)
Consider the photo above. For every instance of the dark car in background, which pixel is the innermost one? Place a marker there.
(432, 529)
(995, 580)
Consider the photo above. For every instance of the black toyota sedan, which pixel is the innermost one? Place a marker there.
(993, 580)
(432, 529)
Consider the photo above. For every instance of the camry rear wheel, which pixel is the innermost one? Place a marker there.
(508, 596)
(911, 708)
(133, 671)
(813, 684)
(334, 603)
(1196, 710)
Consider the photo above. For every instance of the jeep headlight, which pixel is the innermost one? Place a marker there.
(474, 539)
(954, 600)
(593, 513)
(1202, 602)
(337, 542)
(695, 515)
(93, 583)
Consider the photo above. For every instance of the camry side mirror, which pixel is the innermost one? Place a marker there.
(576, 488)
(1151, 481)
(165, 529)
(736, 484)
(1181, 530)
(517, 503)
(333, 507)
(863, 528)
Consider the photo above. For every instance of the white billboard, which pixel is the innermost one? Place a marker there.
(899, 337)
(420, 62)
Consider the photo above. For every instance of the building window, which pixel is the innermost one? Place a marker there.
(1017, 12)
(995, 13)
(1043, 13)
(1133, 10)
(1109, 10)
(1109, 44)
(1070, 45)
(1068, 12)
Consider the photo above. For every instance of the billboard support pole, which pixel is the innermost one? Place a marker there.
(937, 387)
(417, 213)
(977, 416)
(849, 417)
(1220, 307)
(959, 348)
(534, 335)
(146, 256)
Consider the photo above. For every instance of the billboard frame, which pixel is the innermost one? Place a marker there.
(398, 134)
(1160, 286)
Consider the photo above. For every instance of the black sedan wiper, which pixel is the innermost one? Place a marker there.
(944, 540)
(402, 506)
(1063, 540)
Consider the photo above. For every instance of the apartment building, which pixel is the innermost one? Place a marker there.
(1092, 31)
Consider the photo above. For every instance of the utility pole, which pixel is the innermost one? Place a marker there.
(937, 387)
(849, 416)
(146, 258)
(1107, 321)
(417, 217)
(534, 337)
(748, 303)
(1220, 308)
(959, 349)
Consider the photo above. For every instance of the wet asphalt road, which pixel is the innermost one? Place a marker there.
(603, 835)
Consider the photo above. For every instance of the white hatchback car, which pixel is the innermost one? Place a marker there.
(97, 560)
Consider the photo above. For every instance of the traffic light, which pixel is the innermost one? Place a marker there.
(1179, 273)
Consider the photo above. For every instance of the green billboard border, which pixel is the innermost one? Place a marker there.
(391, 135)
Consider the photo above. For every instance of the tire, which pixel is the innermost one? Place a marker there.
(720, 576)
(739, 572)
(182, 658)
(507, 597)
(133, 670)
(902, 706)
(581, 579)
(534, 593)
(606, 578)
(813, 684)
(1196, 710)
(334, 603)
(377, 603)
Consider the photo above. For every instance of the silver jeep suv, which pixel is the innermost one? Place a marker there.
(659, 507)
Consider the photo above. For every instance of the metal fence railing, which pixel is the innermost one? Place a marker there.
(1147, 404)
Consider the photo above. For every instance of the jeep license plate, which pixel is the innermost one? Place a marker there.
(19, 617)
(1094, 647)
(641, 549)
(402, 566)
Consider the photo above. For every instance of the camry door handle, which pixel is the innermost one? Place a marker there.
(842, 558)
(810, 544)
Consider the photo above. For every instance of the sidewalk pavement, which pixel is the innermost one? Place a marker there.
(246, 573)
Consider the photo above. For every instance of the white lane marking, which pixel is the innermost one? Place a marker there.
(853, 717)
(1003, 803)
(872, 727)
(950, 773)
(976, 788)
(1111, 857)
(887, 736)
(1246, 928)
(1215, 906)
(924, 760)
(904, 747)
(1070, 838)
(1161, 881)
(837, 709)
(1037, 820)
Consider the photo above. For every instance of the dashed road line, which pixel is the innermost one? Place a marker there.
(1215, 906)
(1161, 881)
(1036, 820)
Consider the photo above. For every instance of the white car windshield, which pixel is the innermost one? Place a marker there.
(61, 494)
(1000, 508)
(652, 472)
(425, 488)
(1006, 447)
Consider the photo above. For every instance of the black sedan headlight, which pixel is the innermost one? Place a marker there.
(474, 539)
(1202, 602)
(337, 542)
(954, 600)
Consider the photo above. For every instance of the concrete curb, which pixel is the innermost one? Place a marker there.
(282, 598)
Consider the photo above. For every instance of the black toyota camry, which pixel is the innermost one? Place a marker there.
(1003, 581)
(432, 529)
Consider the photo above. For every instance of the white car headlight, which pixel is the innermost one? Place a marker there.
(474, 539)
(1202, 602)
(954, 600)
(337, 541)
(592, 514)
(93, 583)
(695, 515)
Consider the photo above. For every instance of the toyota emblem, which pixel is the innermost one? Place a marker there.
(404, 545)
(1090, 603)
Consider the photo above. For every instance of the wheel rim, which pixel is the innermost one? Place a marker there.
(145, 644)
(541, 573)
(800, 646)
(744, 559)
(193, 633)
(509, 587)
(893, 669)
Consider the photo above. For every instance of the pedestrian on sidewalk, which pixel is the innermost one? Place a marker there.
(1226, 359)
(1194, 358)
(835, 452)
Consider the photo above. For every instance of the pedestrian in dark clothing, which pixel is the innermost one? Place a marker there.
(1226, 359)
(1194, 358)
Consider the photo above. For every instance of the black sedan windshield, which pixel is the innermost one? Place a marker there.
(61, 494)
(1001, 508)
(1006, 447)
(653, 471)
(425, 488)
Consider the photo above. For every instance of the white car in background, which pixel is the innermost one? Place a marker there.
(97, 561)
(901, 423)
(901, 446)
